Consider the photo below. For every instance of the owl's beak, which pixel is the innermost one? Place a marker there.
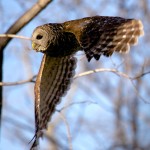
(33, 45)
(36, 47)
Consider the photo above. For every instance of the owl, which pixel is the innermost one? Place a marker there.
(96, 36)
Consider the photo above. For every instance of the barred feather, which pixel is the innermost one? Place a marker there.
(102, 35)
(116, 38)
(53, 81)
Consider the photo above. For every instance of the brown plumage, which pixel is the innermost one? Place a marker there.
(102, 35)
(96, 36)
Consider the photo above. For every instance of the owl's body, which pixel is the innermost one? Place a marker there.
(96, 36)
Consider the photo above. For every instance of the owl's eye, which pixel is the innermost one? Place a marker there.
(39, 37)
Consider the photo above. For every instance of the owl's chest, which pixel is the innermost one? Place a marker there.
(64, 45)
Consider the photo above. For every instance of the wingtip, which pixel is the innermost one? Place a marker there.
(141, 27)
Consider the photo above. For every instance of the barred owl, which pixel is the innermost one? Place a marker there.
(96, 36)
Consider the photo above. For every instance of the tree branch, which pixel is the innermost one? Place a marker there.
(68, 130)
(115, 71)
(120, 74)
(15, 36)
(32, 79)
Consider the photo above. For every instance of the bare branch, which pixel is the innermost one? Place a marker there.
(68, 130)
(31, 79)
(115, 71)
(76, 103)
(120, 74)
(102, 70)
(140, 75)
(137, 93)
(15, 36)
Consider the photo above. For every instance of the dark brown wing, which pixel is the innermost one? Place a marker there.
(53, 80)
(103, 35)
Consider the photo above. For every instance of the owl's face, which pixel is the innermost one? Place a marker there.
(42, 37)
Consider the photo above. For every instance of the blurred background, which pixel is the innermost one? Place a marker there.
(102, 110)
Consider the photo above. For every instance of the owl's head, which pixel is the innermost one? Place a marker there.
(42, 37)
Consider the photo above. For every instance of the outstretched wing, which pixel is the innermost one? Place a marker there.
(103, 35)
(52, 82)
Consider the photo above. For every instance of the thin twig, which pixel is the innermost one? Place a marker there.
(75, 103)
(31, 79)
(15, 36)
(68, 130)
(119, 74)
(111, 70)
(101, 70)
(140, 75)
(136, 91)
